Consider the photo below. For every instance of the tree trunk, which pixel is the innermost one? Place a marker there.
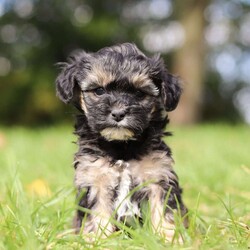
(188, 61)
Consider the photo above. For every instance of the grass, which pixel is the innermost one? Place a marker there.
(37, 194)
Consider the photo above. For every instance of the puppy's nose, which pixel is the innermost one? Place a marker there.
(118, 115)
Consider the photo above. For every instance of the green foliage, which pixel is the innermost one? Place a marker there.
(37, 195)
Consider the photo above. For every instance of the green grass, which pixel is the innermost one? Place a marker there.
(37, 194)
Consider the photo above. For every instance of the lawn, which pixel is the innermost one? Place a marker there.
(37, 194)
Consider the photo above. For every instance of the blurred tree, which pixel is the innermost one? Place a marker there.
(188, 61)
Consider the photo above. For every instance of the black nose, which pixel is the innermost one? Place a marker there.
(118, 115)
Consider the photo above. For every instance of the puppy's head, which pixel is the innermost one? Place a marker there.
(119, 89)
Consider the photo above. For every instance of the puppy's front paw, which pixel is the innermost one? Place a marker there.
(170, 235)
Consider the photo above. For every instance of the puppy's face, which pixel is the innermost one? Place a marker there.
(120, 90)
(116, 106)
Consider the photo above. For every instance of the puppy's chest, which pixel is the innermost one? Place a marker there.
(123, 178)
(134, 180)
(123, 182)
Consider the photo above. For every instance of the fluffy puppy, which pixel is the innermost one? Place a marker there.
(122, 162)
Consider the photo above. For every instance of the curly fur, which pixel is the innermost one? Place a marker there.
(123, 97)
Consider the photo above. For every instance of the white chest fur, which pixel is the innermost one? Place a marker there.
(123, 205)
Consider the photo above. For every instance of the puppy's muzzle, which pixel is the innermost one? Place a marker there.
(119, 130)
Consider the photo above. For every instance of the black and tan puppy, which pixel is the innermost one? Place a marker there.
(123, 97)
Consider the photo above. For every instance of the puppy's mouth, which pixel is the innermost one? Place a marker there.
(117, 134)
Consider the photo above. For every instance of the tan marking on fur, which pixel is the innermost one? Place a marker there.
(97, 171)
(82, 103)
(153, 167)
(141, 80)
(112, 134)
(99, 76)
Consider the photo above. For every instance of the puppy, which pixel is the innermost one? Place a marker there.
(123, 97)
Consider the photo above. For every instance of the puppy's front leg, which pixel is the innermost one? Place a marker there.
(160, 222)
(98, 220)
(162, 218)
(99, 180)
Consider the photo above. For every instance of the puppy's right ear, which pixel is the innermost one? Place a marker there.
(66, 81)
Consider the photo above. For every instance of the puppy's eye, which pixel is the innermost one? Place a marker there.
(99, 91)
(140, 94)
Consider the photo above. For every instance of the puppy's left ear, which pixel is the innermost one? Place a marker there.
(171, 91)
(169, 84)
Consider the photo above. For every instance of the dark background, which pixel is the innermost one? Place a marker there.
(205, 42)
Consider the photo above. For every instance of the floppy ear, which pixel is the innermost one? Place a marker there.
(168, 83)
(65, 82)
(171, 91)
(70, 72)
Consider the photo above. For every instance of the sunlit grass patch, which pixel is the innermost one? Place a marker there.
(37, 199)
